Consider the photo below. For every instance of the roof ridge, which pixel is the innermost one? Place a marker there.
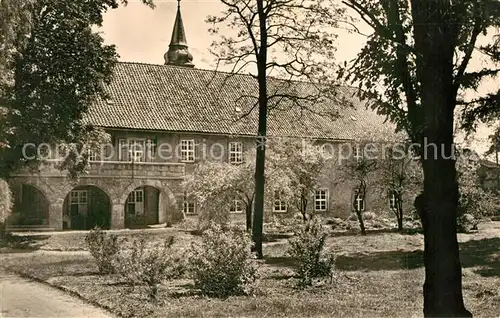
(226, 72)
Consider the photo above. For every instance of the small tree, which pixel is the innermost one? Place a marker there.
(215, 186)
(302, 162)
(401, 175)
(359, 169)
(473, 200)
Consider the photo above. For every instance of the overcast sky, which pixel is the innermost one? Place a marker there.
(142, 34)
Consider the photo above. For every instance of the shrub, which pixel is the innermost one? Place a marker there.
(352, 217)
(307, 247)
(104, 248)
(5, 205)
(221, 265)
(149, 266)
(369, 216)
(466, 223)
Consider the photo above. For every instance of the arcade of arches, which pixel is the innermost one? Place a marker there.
(63, 206)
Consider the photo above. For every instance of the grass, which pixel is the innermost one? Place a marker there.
(377, 275)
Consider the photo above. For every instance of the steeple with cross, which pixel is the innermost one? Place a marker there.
(178, 53)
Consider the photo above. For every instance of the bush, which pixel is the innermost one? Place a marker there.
(104, 248)
(369, 216)
(221, 265)
(307, 247)
(5, 205)
(466, 223)
(149, 266)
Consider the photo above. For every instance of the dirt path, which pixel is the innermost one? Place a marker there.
(20, 297)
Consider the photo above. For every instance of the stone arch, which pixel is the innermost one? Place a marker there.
(35, 182)
(69, 186)
(86, 206)
(31, 206)
(167, 201)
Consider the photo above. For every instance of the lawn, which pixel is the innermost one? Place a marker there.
(377, 275)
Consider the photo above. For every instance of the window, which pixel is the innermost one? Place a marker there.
(359, 202)
(358, 153)
(135, 202)
(188, 207)
(187, 150)
(93, 156)
(279, 204)
(150, 149)
(235, 152)
(136, 150)
(320, 200)
(392, 201)
(236, 206)
(78, 202)
(122, 150)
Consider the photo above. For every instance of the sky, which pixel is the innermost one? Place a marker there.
(142, 34)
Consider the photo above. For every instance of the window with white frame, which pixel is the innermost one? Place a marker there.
(78, 201)
(279, 204)
(235, 152)
(135, 202)
(321, 200)
(136, 150)
(122, 150)
(188, 206)
(187, 150)
(359, 202)
(236, 206)
(93, 156)
(150, 149)
(393, 201)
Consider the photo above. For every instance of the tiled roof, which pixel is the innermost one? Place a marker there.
(172, 98)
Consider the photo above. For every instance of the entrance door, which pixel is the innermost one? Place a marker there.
(78, 209)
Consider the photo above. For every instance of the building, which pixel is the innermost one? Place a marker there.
(162, 120)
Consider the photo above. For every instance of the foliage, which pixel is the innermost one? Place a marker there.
(53, 68)
(401, 176)
(222, 264)
(361, 168)
(6, 202)
(473, 200)
(293, 168)
(300, 164)
(150, 265)
(307, 247)
(104, 248)
(215, 186)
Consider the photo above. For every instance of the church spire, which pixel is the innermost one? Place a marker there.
(178, 53)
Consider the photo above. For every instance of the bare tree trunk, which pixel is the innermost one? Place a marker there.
(303, 207)
(399, 206)
(248, 214)
(361, 222)
(258, 217)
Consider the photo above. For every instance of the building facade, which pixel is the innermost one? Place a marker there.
(163, 120)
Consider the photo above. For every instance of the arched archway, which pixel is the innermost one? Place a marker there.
(31, 206)
(86, 207)
(142, 207)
